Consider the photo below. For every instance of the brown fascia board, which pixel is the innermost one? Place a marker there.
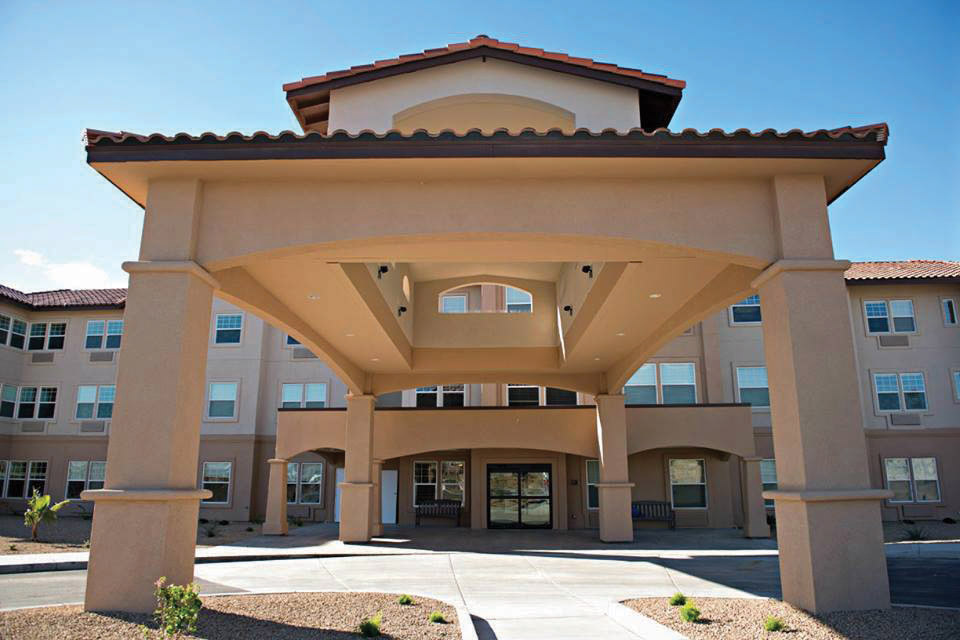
(62, 308)
(856, 282)
(654, 113)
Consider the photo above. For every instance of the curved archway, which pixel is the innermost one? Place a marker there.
(484, 111)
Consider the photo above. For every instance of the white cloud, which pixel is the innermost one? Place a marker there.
(41, 274)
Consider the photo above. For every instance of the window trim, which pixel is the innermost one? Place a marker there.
(86, 477)
(891, 329)
(444, 296)
(736, 384)
(441, 483)
(229, 483)
(955, 383)
(735, 323)
(436, 481)
(900, 392)
(706, 489)
(106, 333)
(587, 484)
(913, 487)
(303, 393)
(769, 504)
(299, 482)
(214, 330)
(236, 401)
(506, 394)
(26, 332)
(96, 402)
(16, 399)
(943, 312)
(36, 409)
(47, 335)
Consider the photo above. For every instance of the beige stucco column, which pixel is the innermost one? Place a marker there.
(754, 513)
(376, 525)
(145, 521)
(357, 490)
(276, 522)
(828, 517)
(616, 522)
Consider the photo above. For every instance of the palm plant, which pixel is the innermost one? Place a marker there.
(40, 510)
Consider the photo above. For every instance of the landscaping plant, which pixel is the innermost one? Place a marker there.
(678, 599)
(690, 613)
(178, 608)
(40, 510)
(915, 533)
(773, 623)
(211, 530)
(404, 599)
(437, 618)
(370, 627)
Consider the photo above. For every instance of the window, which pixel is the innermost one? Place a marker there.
(912, 479)
(310, 395)
(228, 328)
(95, 402)
(13, 332)
(746, 311)
(896, 392)
(223, 400)
(23, 477)
(559, 397)
(593, 477)
(103, 334)
(768, 477)
(216, 478)
(16, 480)
(83, 475)
(523, 395)
(424, 481)
(678, 383)
(949, 312)
(37, 478)
(38, 403)
(453, 303)
(304, 482)
(641, 388)
(879, 314)
(688, 484)
(453, 481)
(752, 386)
(448, 395)
(8, 400)
(519, 301)
(291, 341)
(49, 337)
(956, 386)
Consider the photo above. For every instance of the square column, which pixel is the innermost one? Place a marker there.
(828, 518)
(145, 520)
(276, 522)
(754, 512)
(357, 490)
(376, 525)
(614, 488)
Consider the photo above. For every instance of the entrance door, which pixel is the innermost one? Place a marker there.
(388, 496)
(519, 496)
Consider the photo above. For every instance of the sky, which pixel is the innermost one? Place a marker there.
(218, 66)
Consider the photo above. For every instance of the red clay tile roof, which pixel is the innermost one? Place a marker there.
(903, 269)
(66, 298)
(486, 41)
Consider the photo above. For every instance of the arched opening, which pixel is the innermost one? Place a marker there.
(481, 297)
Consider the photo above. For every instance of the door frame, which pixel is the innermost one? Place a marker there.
(519, 468)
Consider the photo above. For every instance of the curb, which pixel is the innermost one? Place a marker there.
(640, 624)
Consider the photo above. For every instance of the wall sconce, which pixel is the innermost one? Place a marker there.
(569, 310)
(401, 311)
(382, 269)
(587, 269)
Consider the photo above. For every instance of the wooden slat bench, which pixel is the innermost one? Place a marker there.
(654, 511)
(439, 509)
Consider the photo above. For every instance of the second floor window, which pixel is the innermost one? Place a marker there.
(523, 395)
(104, 334)
(47, 336)
(95, 402)
(222, 401)
(753, 387)
(8, 400)
(768, 477)
(13, 332)
(949, 312)
(893, 316)
(448, 395)
(310, 395)
(229, 326)
(677, 384)
(518, 301)
(900, 391)
(746, 311)
(453, 303)
(37, 403)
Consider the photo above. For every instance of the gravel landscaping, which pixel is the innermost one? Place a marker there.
(933, 530)
(285, 616)
(743, 618)
(73, 534)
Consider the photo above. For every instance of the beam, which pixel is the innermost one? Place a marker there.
(597, 296)
(588, 383)
(238, 287)
(502, 359)
(358, 275)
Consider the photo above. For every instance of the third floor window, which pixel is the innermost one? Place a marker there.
(103, 334)
(229, 327)
(889, 316)
(666, 383)
(47, 336)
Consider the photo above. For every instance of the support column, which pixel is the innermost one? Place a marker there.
(276, 522)
(376, 522)
(145, 521)
(828, 517)
(357, 490)
(616, 521)
(754, 513)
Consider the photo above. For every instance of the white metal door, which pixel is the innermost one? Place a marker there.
(388, 496)
(336, 497)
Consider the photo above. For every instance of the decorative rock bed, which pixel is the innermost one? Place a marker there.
(284, 616)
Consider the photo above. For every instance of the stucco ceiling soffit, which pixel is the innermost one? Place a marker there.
(601, 280)
(388, 315)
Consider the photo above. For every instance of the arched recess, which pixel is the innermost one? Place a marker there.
(726, 428)
(484, 111)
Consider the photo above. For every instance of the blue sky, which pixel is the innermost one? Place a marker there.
(199, 66)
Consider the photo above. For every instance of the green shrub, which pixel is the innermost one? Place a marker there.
(370, 627)
(39, 510)
(249, 529)
(949, 520)
(178, 607)
(690, 613)
(773, 623)
(203, 521)
(404, 599)
(223, 523)
(210, 530)
(13, 547)
(915, 533)
(678, 599)
(437, 618)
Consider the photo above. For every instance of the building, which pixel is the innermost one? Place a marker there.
(492, 164)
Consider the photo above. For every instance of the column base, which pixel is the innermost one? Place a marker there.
(831, 549)
(616, 519)
(153, 531)
(355, 507)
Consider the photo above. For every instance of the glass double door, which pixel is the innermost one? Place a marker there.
(519, 496)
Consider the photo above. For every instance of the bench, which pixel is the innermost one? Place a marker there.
(439, 509)
(654, 511)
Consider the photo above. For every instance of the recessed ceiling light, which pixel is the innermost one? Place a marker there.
(374, 359)
(655, 295)
(596, 357)
(620, 334)
(313, 296)
(350, 335)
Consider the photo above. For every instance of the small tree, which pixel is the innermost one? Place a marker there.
(40, 510)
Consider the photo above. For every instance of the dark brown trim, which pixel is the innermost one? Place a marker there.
(591, 407)
(853, 282)
(60, 308)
